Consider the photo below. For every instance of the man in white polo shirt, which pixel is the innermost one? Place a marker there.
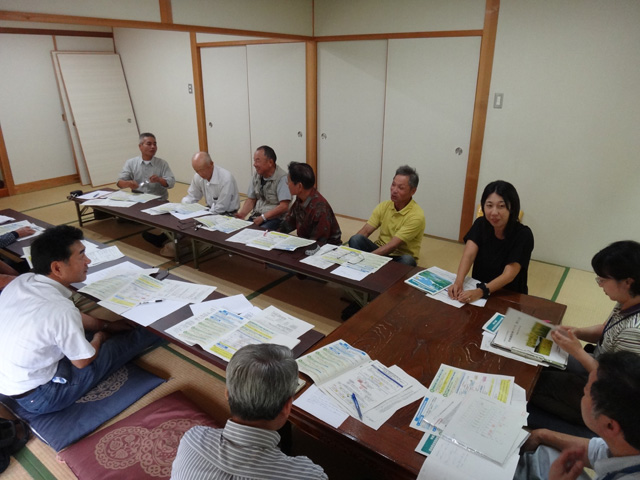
(51, 354)
(215, 184)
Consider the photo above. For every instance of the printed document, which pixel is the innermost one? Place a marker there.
(449, 387)
(107, 202)
(10, 227)
(316, 259)
(222, 333)
(122, 196)
(443, 295)
(95, 194)
(143, 289)
(487, 427)
(530, 338)
(452, 462)
(279, 241)
(343, 372)
(246, 235)
(103, 255)
(430, 280)
(237, 304)
(223, 223)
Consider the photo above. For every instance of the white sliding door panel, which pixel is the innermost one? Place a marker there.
(224, 78)
(102, 111)
(30, 113)
(81, 165)
(277, 99)
(430, 98)
(351, 91)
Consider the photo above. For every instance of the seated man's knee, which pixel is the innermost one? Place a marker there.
(357, 241)
(272, 224)
(406, 259)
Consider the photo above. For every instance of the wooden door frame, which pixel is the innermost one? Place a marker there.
(7, 176)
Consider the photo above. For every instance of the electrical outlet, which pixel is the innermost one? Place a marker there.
(190, 88)
(497, 100)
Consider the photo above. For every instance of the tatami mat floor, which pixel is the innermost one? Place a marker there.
(316, 302)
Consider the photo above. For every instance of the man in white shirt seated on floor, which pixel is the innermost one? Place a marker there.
(261, 382)
(610, 409)
(215, 184)
(51, 354)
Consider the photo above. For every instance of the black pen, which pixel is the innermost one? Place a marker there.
(152, 301)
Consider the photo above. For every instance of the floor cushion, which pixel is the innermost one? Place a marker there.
(102, 403)
(143, 445)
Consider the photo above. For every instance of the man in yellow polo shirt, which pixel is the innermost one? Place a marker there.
(401, 222)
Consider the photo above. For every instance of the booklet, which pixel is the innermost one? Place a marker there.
(530, 338)
(429, 281)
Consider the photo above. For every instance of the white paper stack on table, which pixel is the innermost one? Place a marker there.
(528, 339)
(223, 223)
(118, 199)
(95, 194)
(435, 282)
(96, 254)
(352, 263)
(5, 219)
(222, 332)
(128, 290)
(182, 211)
(11, 227)
(473, 425)
(341, 371)
(266, 240)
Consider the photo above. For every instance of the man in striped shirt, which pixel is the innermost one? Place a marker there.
(261, 382)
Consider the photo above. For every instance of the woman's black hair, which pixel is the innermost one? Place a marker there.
(620, 260)
(509, 195)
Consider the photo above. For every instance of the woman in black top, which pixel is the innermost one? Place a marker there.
(498, 246)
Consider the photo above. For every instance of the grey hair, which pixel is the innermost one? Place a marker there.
(410, 172)
(145, 135)
(260, 381)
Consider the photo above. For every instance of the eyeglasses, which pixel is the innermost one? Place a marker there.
(600, 280)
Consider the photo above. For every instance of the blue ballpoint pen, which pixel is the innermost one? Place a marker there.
(355, 402)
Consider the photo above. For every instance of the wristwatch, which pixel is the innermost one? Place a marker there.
(485, 290)
(264, 219)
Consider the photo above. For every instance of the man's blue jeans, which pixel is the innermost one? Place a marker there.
(361, 242)
(113, 354)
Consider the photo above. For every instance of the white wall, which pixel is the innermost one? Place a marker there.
(158, 69)
(283, 16)
(350, 17)
(84, 44)
(143, 10)
(567, 136)
(35, 134)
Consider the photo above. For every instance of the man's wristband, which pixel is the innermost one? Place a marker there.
(485, 290)
(263, 217)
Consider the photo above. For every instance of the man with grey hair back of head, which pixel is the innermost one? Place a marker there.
(401, 222)
(261, 382)
(215, 184)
